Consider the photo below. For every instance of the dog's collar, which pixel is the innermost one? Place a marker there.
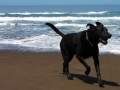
(88, 39)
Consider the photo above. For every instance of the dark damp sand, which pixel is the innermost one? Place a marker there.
(42, 71)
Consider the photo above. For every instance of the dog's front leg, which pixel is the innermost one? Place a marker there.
(97, 67)
(84, 63)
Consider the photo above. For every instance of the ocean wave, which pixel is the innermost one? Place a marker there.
(7, 23)
(71, 25)
(2, 14)
(57, 24)
(54, 13)
(28, 13)
(78, 25)
(49, 43)
(68, 18)
(91, 13)
(18, 24)
(41, 41)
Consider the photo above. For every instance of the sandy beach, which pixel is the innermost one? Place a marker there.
(43, 71)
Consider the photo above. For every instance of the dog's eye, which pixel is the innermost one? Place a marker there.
(106, 29)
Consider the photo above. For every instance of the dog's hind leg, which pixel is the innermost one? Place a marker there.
(67, 57)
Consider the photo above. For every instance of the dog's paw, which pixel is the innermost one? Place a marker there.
(87, 71)
(69, 76)
(101, 83)
(65, 73)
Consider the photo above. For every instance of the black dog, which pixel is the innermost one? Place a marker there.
(84, 45)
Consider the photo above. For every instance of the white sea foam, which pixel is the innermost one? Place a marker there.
(51, 42)
(29, 13)
(58, 24)
(92, 13)
(77, 25)
(25, 13)
(2, 13)
(47, 42)
(67, 24)
(111, 47)
(7, 23)
(69, 18)
(33, 35)
(48, 13)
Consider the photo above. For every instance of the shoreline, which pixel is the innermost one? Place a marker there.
(20, 51)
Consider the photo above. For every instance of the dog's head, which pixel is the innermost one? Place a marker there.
(98, 33)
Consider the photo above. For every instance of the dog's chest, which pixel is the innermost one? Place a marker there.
(87, 51)
(88, 48)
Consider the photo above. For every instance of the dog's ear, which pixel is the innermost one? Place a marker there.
(91, 26)
(99, 24)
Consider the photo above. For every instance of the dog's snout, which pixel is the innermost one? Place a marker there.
(109, 35)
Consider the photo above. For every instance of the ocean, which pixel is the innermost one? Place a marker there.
(22, 28)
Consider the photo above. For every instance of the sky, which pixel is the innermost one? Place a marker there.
(58, 2)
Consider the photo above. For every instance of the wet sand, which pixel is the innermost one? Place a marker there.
(43, 71)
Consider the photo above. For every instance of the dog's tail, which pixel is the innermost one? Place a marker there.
(55, 29)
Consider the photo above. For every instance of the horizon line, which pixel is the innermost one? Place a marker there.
(56, 4)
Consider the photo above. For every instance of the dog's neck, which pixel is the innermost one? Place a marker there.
(87, 38)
